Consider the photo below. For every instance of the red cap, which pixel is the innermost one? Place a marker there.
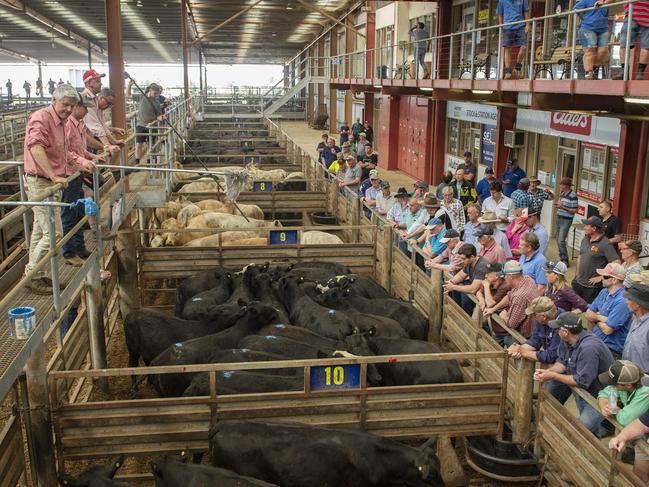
(92, 74)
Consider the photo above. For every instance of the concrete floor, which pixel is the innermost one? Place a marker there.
(308, 138)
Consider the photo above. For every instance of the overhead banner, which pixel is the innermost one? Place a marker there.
(587, 128)
(472, 112)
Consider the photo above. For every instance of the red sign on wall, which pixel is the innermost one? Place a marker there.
(571, 122)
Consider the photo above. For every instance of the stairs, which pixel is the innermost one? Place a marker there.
(282, 100)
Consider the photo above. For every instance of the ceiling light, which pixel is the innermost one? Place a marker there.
(482, 92)
(639, 101)
(157, 19)
(425, 89)
(289, 6)
(378, 86)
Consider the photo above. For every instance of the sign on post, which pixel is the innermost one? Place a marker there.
(256, 160)
(283, 237)
(262, 186)
(325, 377)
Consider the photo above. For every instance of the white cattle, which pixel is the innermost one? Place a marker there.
(319, 238)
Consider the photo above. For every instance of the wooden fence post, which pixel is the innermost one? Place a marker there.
(523, 402)
(436, 304)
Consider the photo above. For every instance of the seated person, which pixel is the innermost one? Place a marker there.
(449, 260)
(543, 345)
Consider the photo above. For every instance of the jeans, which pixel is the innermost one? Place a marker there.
(39, 245)
(420, 55)
(590, 417)
(504, 341)
(559, 390)
(71, 216)
(465, 302)
(563, 228)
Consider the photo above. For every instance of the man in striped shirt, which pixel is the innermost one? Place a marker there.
(639, 28)
(566, 209)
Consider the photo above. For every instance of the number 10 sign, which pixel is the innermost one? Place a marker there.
(325, 377)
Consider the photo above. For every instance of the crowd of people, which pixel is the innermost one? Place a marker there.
(488, 238)
(27, 88)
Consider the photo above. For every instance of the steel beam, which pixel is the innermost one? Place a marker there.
(116, 61)
(346, 25)
(183, 38)
(20, 55)
(227, 21)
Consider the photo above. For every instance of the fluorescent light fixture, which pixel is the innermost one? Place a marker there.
(378, 87)
(639, 101)
(482, 92)
(425, 89)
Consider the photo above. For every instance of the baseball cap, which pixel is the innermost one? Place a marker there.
(613, 270)
(496, 267)
(363, 134)
(621, 372)
(510, 162)
(483, 230)
(542, 304)
(421, 184)
(512, 267)
(432, 223)
(524, 181)
(633, 245)
(374, 174)
(568, 320)
(92, 74)
(450, 234)
(385, 184)
(593, 221)
(556, 266)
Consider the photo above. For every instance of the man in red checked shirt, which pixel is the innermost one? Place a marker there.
(46, 165)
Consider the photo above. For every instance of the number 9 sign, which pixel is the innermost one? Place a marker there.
(283, 237)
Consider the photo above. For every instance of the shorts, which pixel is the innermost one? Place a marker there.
(640, 454)
(142, 134)
(590, 39)
(636, 30)
(514, 38)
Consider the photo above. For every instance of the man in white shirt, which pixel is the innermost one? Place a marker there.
(384, 200)
(499, 204)
(94, 119)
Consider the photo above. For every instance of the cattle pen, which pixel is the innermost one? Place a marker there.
(60, 410)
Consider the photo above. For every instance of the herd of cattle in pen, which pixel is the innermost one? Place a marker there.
(276, 312)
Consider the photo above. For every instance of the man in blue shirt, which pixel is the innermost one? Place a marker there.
(538, 229)
(581, 358)
(593, 36)
(513, 35)
(329, 152)
(533, 261)
(483, 185)
(513, 174)
(543, 345)
(608, 317)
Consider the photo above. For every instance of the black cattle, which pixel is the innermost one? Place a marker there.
(366, 286)
(148, 332)
(205, 306)
(245, 382)
(202, 281)
(305, 312)
(291, 186)
(383, 326)
(174, 471)
(299, 334)
(338, 269)
(263, 290)
(405, 373)
(313, 274)
(297, 455)
(291, 349)
(96, 476)
(410, 318)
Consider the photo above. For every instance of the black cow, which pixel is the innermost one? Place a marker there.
(405, 313)
(291, 349)
(291, 186)
(96, 476)
(298, 333)
(202, 281)
(338, 269)
(148, 332)
(245, 382)
(263, 290)
(365, 285)
(201, 305)
(174, 471)
(297, 455)
(405, 373)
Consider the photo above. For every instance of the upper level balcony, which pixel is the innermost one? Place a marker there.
(461, 65)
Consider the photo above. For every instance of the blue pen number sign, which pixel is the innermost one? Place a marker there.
(262, 186)
(324, 377)
(283, 237)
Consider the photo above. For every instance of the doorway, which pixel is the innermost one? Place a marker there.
(568, 158)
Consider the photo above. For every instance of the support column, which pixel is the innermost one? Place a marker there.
(40, 418)
(183, 35)
(631, 168)
(89, 55)
(333, 94)
(321, 73)
(370, 43)
(349, 47)
(126, 245)
(116, 62)
(287, 83)
(389, 128)
(442, 48)
(506, 120)
(40, 76)
(438, 136)
(200, 70)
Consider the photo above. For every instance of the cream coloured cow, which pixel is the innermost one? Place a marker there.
(319, 238)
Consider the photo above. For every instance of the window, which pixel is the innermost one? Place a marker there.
(613, 153)
(593, 170)
(453, 142)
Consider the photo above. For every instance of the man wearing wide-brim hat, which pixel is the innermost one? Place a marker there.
(397, 214)
(636, 346)
(490, 219)
(431, 205)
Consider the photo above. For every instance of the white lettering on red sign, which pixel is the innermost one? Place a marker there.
(571, 122)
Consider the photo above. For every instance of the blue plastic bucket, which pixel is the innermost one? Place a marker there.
(22, 322)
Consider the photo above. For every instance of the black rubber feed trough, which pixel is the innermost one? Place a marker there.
(324, 219)
(501, 459)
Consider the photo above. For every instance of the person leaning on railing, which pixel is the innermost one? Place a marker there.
(46, 165)
(449, 260)
(494, 289)
(558, 289)
(593, 36)
(397, 213)
(543, 345)
(635, 430)
(148, 111)
(469, 279)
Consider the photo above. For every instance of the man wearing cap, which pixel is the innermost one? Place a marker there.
(464, 190)
(630, 252)
(431, 239)
(360, 145)
(623, 379)
(374, 190)
(566, 206)
(366, 183)
(469, 168)
(581, 358)
(520, 197)
(94, 119)
(346, 149)
(397, 214)
(499, 204)
(636, 346)
(369, 131)
(46, 153)
(538, 195)
(468, 280)
(494, 289)
(471, 225)
(369, 161)
(352, 176)
(449, 260)
(489, 249)
(483, 186)
(558, 289)
(384, 199)
(512, 175)
(338, 163)
(543, 345)
(595, 252)
(431, 206)
(420, 189)
(513, 305)
(321, 145)
(535, 226)
(149, 110)
(490, 220)
(608, 317)
(635, 430)
(533, 261)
